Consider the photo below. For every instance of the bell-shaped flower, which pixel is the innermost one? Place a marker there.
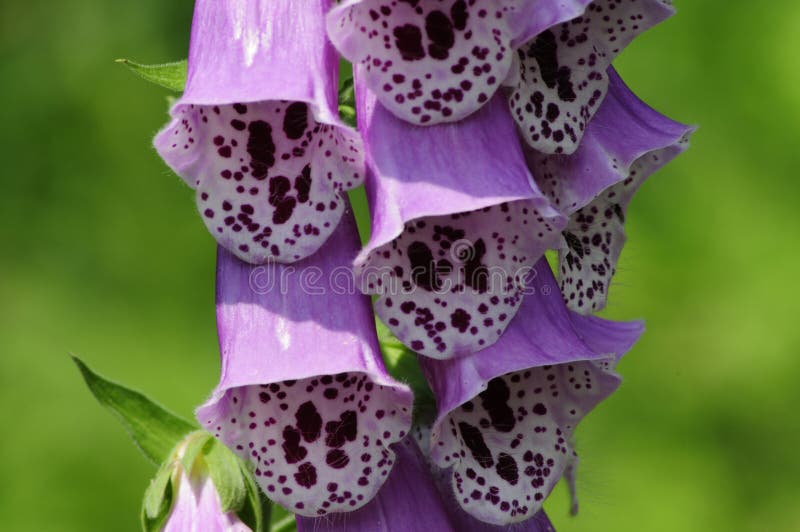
(196, 505)
(303, 394)
(507, 413)
(561, 73)
(625, 143)
(257, 133)
(431, 62)
(457, 222)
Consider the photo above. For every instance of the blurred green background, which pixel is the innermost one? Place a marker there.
(103, 255)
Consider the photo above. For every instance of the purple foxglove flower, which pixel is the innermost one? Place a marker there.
(196, 505)
(408, 500)
(457, 222)
(196, 508)
(562, 78)
(506, 413)
(625, 143)
(431, 61)
(257, 134)
(303, 394)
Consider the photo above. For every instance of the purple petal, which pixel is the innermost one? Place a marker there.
(562, 71)
(407, 501)
(257, 134)
(304, 394)
(624, 130)
(457, 222)
(197, 507)
(433, 62)
(626, 143)
(506, 413)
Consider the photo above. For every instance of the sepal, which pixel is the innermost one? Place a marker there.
(169, 75)
(155, 430)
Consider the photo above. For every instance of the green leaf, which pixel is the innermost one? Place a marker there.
(348, 115)
(285, 525)
(169, 75)
(192, 446)
(226, 474)
(158, 499)
(155, 430)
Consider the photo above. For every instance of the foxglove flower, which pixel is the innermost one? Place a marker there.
(506, 413)
(257, 134)
(407, 501)
(196, 505)
(457, 222)
(303, 394)
(625, 143)
(562, 78)
(432, 61)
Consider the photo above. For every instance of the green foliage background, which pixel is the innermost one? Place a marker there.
(103, 255)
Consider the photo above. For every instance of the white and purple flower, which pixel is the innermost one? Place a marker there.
(488, 132)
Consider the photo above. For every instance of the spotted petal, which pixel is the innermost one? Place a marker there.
(304, 395)
(625, 144)
(256, 133)
(457, 221)
(407, 501)
(624, 131)
(562, 71)
(506, 413)
(435, 61)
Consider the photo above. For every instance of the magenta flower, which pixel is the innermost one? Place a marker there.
(625, 143)
(562, 71)
(506, 413)
(433, 62)
(303, 394)
(257, 133)
(457, 222)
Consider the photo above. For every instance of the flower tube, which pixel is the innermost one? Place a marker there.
(506, 413)
(257, 133)
(457, 222)
(433, 62)
(303, 393)
(560, 76)
(625, 143)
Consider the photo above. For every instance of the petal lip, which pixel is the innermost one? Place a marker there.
(407, 501)
(506, 413)
(248, 51)
(559, 77)
(624, 130)
(283, 328)
(439, 170)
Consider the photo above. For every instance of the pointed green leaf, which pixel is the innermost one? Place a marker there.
(155, 430)
(226, 474)
(169, 75)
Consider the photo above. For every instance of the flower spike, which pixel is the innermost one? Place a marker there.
(625, 143)
(562, 71)
(457, 222)
(304, 395)
(506, 413)
(257, 134)
(432, 62)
